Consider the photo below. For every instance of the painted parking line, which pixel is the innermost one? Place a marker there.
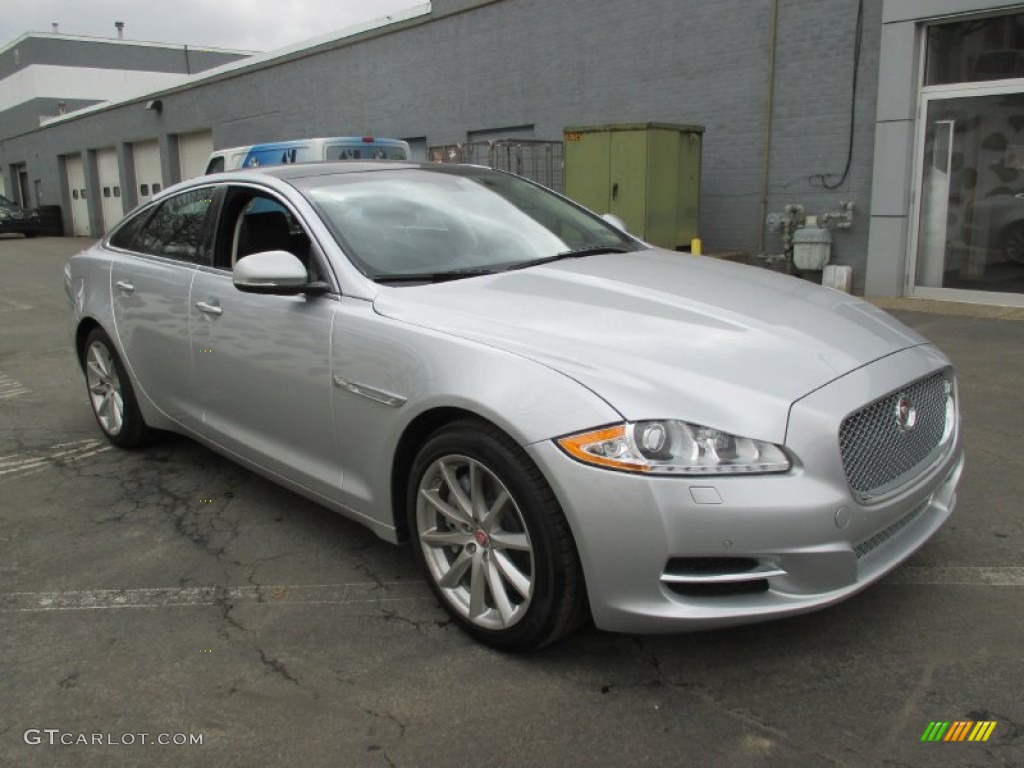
(983, 576)
(13, 305)
(382, 592)
(11, 388)
(20, 464)
(109, 599)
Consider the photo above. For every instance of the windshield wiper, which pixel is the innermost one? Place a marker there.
(573, 254)
(435, 277)
(456, 274)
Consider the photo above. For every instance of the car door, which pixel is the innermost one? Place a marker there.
(262, 361)
(153, 261)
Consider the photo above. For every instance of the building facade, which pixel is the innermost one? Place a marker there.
(810, 103)
(44, 76)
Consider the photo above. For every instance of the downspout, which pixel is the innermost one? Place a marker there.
(769, 119)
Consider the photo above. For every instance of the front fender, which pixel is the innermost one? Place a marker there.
(427, 370)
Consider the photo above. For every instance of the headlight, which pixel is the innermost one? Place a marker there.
(674, 448)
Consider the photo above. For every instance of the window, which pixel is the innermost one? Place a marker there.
(363, 151)
(124, 234)
(117, 191)
(156, 188)
(84, 195)
(975, 50)
(106, 191)
(178, 228)
(216, 165)
(74, 194)
(255, 222)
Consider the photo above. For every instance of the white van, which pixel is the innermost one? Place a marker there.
(308, 151)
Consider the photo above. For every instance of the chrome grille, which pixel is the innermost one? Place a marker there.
(879, 454)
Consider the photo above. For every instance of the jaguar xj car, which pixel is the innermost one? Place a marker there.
(567, 424)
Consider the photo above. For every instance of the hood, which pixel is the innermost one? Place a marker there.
(659, 334)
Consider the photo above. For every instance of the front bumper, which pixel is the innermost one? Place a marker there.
(663, 554)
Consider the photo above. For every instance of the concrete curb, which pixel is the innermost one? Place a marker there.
(956, 308)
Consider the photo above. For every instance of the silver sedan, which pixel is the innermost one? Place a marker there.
(565, 422)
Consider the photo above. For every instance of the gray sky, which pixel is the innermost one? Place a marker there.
(249, 24)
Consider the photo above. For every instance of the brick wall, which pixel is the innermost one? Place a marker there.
(552, 63)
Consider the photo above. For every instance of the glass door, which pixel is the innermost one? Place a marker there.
(970, 227)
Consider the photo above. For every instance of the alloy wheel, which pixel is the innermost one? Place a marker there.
(475, 542)
(104, 388)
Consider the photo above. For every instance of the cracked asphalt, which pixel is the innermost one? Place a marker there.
(170, 591)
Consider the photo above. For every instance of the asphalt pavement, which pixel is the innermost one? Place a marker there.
(167, 595)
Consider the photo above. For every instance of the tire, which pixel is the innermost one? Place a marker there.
(110, 393)
(506, 571)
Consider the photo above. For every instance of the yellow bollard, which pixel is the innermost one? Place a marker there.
(695, 246)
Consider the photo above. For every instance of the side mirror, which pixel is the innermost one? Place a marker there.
(274, 272)
(616, 222)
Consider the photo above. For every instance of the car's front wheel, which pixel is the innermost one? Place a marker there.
(110, 393)
(492, 539)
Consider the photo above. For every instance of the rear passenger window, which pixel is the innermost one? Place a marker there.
(125, 233)
(178, 229)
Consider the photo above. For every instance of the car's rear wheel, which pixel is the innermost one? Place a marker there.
(110, 393)
(492, 539)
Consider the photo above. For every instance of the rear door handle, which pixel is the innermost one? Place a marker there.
(125, 287)
(209, 309)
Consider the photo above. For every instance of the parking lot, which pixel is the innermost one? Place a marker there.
(170, 593)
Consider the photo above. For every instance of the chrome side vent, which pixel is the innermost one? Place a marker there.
(717, 576)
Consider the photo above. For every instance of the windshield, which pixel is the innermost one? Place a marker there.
(435, 222)
(5, 201)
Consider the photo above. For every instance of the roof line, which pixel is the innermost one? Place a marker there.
(338, 38)
(117, 41)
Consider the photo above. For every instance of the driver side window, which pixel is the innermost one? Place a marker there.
(254, 222)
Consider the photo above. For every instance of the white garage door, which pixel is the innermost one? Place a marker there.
(193, 151)
(110, 187)
(76, 188)
(148, 178)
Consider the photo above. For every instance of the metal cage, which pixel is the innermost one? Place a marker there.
(534, 159)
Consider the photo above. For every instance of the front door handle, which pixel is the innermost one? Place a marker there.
(209, 309)
(126, 288)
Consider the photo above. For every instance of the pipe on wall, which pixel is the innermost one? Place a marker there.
(773, 30)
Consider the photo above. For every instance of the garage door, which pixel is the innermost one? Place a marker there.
(76, 189)
(110, 187)
(147, 169)
(193, 151)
